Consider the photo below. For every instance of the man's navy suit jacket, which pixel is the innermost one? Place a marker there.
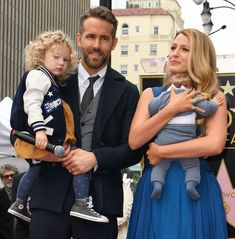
(116, 108)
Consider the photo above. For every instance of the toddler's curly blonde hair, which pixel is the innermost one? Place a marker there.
(35, 51)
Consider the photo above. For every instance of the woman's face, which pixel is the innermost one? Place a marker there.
(179, 54)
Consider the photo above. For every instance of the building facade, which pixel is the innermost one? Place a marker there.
(145, 32)
(21, 21)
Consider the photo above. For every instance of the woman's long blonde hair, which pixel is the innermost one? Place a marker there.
(201, 63)
(35, 51)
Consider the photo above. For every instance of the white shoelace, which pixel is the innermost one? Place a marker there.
(90, 205)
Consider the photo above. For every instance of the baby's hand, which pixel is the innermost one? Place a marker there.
(218, 99)
(41, 139)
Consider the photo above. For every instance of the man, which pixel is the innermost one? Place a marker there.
(7, 172)
(102, 133)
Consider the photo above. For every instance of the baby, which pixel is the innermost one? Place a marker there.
(180, 128)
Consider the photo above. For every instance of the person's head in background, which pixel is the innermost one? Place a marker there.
(7, 172)
(96, 38)
(192, 53)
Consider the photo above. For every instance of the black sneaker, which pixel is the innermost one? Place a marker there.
(83, 208)
(20, 209)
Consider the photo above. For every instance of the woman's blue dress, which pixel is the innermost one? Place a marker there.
(175, 215)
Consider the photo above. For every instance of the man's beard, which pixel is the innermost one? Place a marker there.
(95, 64)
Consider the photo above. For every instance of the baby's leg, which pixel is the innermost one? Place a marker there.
(192, 176)
(158, 175)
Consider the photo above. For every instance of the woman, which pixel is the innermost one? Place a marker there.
(175, 215)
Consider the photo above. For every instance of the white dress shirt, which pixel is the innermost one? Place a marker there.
(83, 81)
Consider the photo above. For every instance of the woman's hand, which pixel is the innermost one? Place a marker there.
(153, 154)
(184, 101)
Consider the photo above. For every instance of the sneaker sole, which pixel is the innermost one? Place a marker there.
(94, 219)
(27, 219)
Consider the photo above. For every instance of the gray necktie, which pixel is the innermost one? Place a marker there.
(89, 94)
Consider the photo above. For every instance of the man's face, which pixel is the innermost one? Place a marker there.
(96, 44)
(8, 178)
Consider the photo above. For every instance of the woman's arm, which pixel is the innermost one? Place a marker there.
(144, 127)
(211, 144)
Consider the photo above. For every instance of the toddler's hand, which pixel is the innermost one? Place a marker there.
(41, 139)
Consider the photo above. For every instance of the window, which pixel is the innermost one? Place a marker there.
(137, 28)
(125, 29)
(136, 48)
(157, 4)
(124, 69)
(155, 30)
(124, 50)
(153, 49)
(135, 67)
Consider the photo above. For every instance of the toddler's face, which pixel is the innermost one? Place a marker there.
(57, 59)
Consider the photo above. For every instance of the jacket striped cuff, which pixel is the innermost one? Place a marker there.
(37, 126)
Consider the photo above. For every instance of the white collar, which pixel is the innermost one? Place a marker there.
(84, 75)
(173, 86)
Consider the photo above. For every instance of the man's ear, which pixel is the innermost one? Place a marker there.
(115, 41)
(79, 36)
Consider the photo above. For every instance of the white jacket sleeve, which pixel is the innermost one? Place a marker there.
(37, 86)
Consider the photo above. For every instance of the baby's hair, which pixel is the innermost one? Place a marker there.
(36, 50)
(183, 79)
(179, 79)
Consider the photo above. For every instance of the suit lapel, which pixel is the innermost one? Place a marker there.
(71, 96)
(111, 92)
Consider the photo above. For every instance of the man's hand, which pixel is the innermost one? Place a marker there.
(50, 157)
(79, 161)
